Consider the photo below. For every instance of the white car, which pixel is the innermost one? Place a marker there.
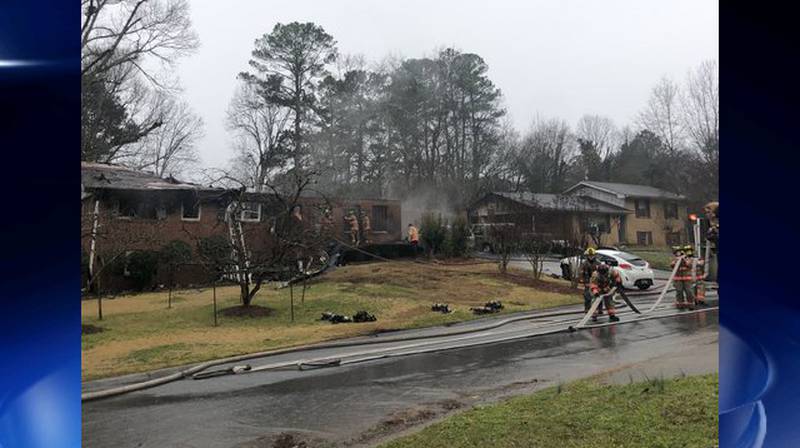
(635, 272)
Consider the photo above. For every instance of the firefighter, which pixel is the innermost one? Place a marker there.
(352, 221)
(699, 274)
(366, 227)
(413, 236)
(603, 281)
(711, 210)
(587, 268)
(684, 297)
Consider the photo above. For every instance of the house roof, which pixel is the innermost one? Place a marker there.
(100, 176)
(628, 190)
(561, 202)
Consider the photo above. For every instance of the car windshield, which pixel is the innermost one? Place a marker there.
(632, 259)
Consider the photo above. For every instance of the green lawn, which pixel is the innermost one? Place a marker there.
(656, 414)
(659, 258)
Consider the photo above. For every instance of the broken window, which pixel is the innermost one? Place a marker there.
(125, 208)
(644, 238)
(190, 210)
(642, 208)
(251, 212)
(380, 218)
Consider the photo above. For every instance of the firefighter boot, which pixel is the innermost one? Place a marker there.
(613, 318)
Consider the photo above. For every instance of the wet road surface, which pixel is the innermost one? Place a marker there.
(341, 404)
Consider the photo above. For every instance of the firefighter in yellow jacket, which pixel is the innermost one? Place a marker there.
(604, 280)
(585, 272)
(352, 222)
(683, 280)
(699, 276)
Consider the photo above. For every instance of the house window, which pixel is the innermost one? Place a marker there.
(644, 238)
(380, 218)
(190, 210)
(642, 208)
(251, 212)
(602, 224)
(673, 238)
(671, 210)
(125, 208)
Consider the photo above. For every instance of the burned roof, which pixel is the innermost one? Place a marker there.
(100, 176)
(629, 190)
(561, 202)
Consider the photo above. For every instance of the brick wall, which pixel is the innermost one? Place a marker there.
(118, 234)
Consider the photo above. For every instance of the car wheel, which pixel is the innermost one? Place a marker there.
(643, 286)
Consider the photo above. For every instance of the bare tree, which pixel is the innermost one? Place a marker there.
(545, 155)
(295, 237)
(535, 249)
(505, 240)
(126, 45)
(662, 115)
(700, 106)
(169, 150)
(259, 128)
(116, 33)
(599, 130)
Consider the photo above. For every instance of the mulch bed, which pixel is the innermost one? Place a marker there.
(247, 311)
(91, 329)
(530, 282)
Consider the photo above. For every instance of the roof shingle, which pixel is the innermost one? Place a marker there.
(629, 190)
(561, 202)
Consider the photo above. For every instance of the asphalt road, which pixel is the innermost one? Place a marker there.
(359, 403)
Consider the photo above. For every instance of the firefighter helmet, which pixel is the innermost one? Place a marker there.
(590, 252)
(688, 249)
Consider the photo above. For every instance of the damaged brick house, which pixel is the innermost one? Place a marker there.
(125, 211)
(615, 213)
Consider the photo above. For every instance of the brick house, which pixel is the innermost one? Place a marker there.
(619, 213)
(128, 210)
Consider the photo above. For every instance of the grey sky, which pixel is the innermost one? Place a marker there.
(557, 58)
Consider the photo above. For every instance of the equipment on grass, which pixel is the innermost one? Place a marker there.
(441, 307)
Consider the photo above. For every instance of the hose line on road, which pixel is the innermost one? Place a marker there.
(191, 372)
(88, 396)
(416, 349)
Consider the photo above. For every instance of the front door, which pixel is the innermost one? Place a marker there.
(622, 229)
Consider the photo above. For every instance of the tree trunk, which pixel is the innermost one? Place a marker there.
(214, 301)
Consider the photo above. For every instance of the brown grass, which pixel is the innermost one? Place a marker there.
(141, 334)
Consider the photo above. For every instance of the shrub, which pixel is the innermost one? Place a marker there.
(433, 232)
(175, 252)
(505, 240)
(141, 267)
(457, 237)
(216, 253)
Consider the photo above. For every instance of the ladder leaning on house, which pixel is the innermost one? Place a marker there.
(236, 275)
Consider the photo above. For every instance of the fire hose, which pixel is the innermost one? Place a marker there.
(197, 371)
(430, 347)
